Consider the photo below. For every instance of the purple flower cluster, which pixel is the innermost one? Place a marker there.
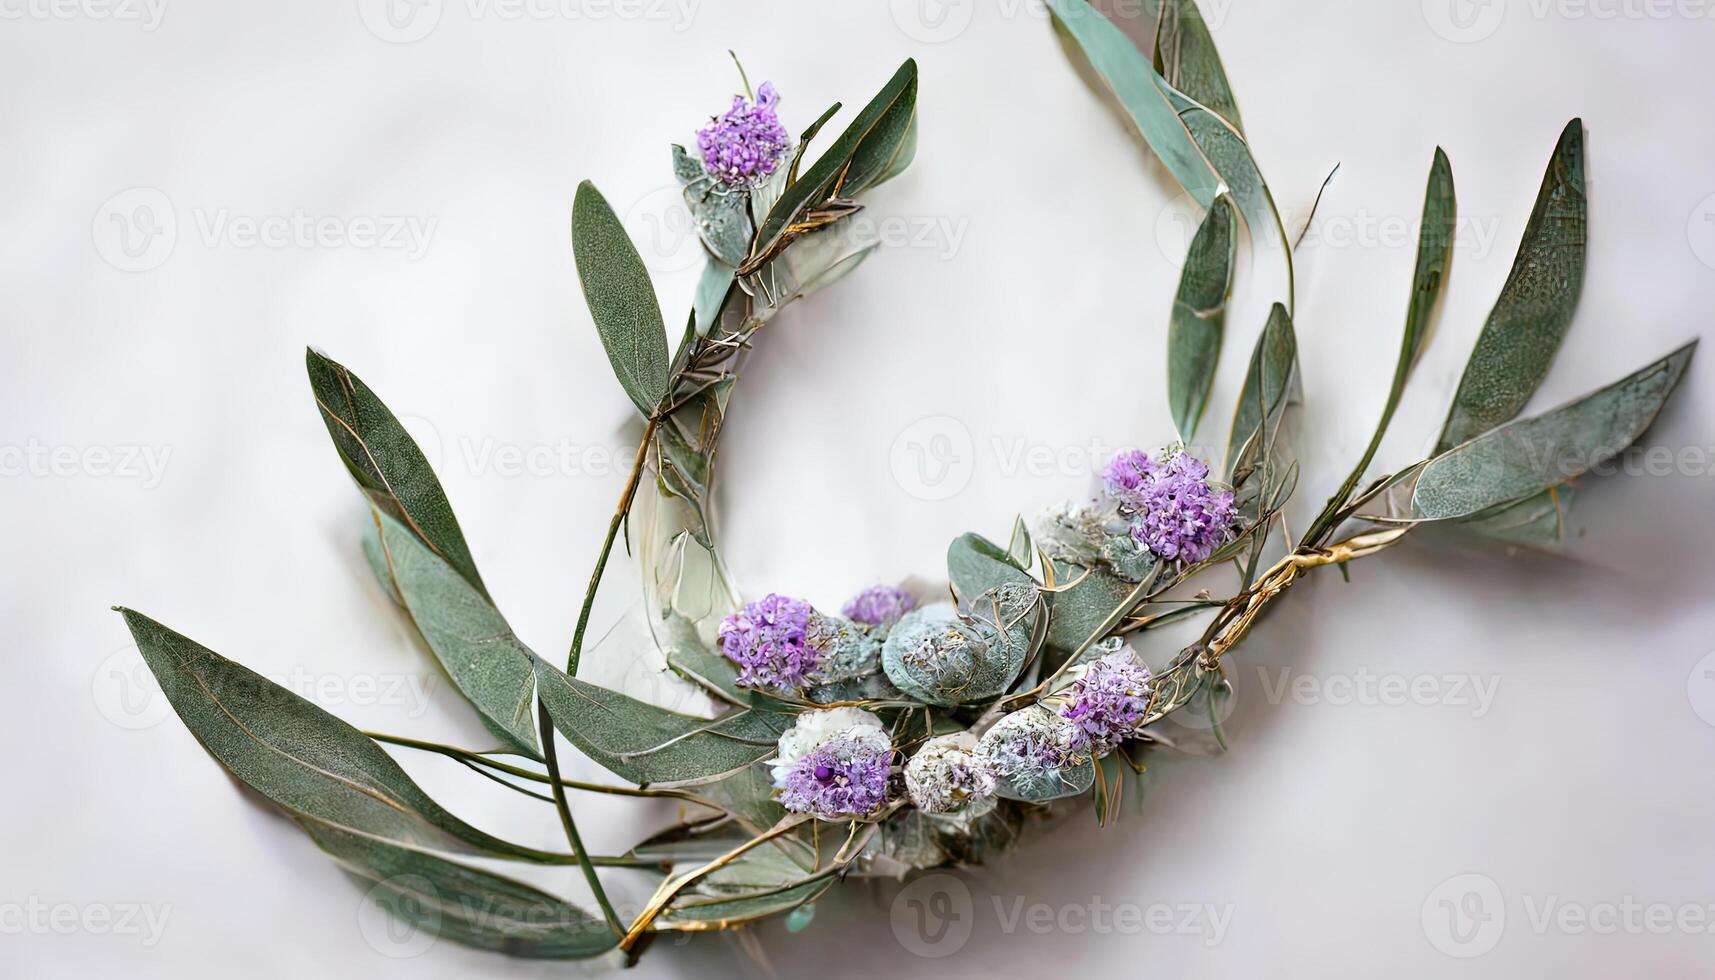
(1108, 701)
(769, 641)
(879, 605)
(742, 147)
(844, 776)
(1175, 513)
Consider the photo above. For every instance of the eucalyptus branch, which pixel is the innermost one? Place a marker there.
(546, 727)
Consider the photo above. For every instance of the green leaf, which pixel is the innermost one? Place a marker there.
(1199, 313)
(868, 151)
(484, 658)
(1525, 457)
(621, 299)
(1085, 612)
(298, 755)
(1020, 552)
(712, 289)
(465, 904)
(722, 214)
(975, 565)
(1185, 55)
(1536, 522)
(1271, 383)
(1528, 322)
(645, 744)
(387, 465)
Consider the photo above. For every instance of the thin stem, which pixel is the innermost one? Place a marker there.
(742, 77)
(465, 755)
(546, 727)
(607, 547)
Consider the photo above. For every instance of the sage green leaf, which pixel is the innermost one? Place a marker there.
(1020, 552)
(868, 150)
(1131, 79)
(464, 904)
(1537, 521)
(1271, 383)
(472, 640)
(386, 464)
(1036, 786)
(1525, 457)
(696, 911)
(1199, 314)
(298, 755)
(1185, 55)
(1087, 607)
(975, 565)
(621, 299)
(645, 744)
(722, 213)
(712, 289)
(749, 796)
(1528, 322)
(938, 658)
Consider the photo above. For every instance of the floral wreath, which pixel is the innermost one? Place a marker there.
(900, 734)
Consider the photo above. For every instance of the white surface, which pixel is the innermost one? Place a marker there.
(1326, 834)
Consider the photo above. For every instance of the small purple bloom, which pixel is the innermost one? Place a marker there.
(1108, 701)
(769, 640)
(843, 776)
(879, 605)
(1174, 511)
(744, 146)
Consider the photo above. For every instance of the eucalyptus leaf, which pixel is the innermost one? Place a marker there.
(1020, 552)
(621, 299)
(1271, 383)
(1185, 55)
(975, 565)
(1525, 457)
(648, 745)
(1199, 313)
(484, 658)
(712, 288)
(1528, 322)
(464, 904)
(299, 756)
(868, 149)
(386, 463)
(1537, 521)
(722, 213)
(1089, 603)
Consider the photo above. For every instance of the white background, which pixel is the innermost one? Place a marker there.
(1030, 314)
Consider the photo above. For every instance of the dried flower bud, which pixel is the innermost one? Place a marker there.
(770, 642)
(1107, 701)
(833, 763)
(948, 776)
(1036, 755)
(744, 146)
(879, 605)
(1175, 512)
(941, 658)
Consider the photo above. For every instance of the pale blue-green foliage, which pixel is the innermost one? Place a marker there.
(942, 658)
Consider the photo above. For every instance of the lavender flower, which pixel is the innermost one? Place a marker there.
(1175, 512)
(948, 776)
(879, 605)
(1108, 701)
(770, 642)
(833, 763)
(744, 146)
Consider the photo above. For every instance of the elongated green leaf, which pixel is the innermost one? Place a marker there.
(874, 140)
(1199, 314)
(1132, 80)
(465, 904)
(621, 299)
(387, 465)
(697, 911)
(1537, 521)
(1530, 455)
(1020, 552)
(645, 744)
(298, 755)
(481, 654)
(975, 564)
(1271, 383)
(712, 289)
(1528, 322)
(1185, 55)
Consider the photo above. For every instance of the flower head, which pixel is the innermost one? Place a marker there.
(948, 776)
(833, 763)
(1108, 701)
(770, 642)
(879, 605)
(744, 146)
(1032, 752)
(1175, 512)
